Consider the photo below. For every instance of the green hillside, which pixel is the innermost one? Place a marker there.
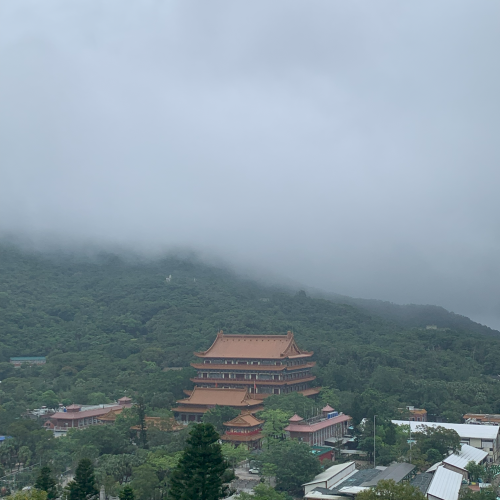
(109, 325)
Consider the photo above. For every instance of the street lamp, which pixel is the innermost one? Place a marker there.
(374, 432)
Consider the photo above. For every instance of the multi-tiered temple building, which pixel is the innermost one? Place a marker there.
(262, 364)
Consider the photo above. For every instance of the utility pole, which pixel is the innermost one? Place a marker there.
(410, 440)
(374, 432)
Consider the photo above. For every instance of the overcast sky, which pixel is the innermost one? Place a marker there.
(351, 146)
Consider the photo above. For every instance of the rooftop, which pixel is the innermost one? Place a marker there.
(330, 472)
(254, 347)
(396, 472)
(28, 358)
(422, 481)
(489, 432)
(464, 456)
(326, 422)
(244, 420)
(212, 396)
(445, 484)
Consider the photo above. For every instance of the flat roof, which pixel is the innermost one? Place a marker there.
(445, 484)
(396, 472)
(463, 430)
(464, 456)
(28, 358)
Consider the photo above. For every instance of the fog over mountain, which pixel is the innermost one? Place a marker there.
(350, 146)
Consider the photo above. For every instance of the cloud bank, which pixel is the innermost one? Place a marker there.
(351, 146)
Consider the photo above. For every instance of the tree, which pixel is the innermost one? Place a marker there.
(141, 415)
(234, 454)
(475, 470)
(83, 486)
(262, 492)
(145, 482)
(218, 415)
(33, 494)
(198, 476)
(46, 482)
(483, 494)
(274, 426)
(389, 490)
(127, 493)
(437, 438)
(294, 464)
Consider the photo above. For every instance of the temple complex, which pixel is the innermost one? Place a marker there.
(261, 364)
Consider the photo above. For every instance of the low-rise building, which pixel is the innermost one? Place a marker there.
(314, 431)
(349, 482)
(417, 414)
(27, 360)
(482, 418)
(483, 437)
(76, 416)
(445, 485)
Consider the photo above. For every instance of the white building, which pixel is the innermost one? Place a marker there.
(445, 485)
(482, 437)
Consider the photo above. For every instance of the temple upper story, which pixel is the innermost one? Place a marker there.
(263, 364)
(254, 347)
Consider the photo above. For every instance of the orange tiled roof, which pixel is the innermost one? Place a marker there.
(254, 347)
(111, 415)
(244, 420)
(161, 423)
(212, 396)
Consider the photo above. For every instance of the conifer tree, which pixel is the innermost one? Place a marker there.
(127, 493)
(46, 482)
(83, 486)
(198, 476)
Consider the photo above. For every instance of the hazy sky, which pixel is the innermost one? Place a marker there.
(352, 146)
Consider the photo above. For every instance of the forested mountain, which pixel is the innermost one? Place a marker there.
(110, 325)
(414, 315)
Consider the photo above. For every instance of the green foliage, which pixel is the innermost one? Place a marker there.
(218, 415)
(437, 439)
(33, 494)
(389, 490)
(198, 475)
(83, 486)
(483, 494)
(234, 454)
(292, 462)
(274, 426)
(475, 471)
(262, 492)
(127, 493)
(46, 482)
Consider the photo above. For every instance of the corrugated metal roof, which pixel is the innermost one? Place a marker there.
(445, 484)
(396, 472)
(463, 430)
(330, 472)
(467, 454)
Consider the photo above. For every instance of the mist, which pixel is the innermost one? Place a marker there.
(349, 146)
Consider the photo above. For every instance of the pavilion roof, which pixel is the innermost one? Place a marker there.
(244, 420)
(212, 396)
(254, 347)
